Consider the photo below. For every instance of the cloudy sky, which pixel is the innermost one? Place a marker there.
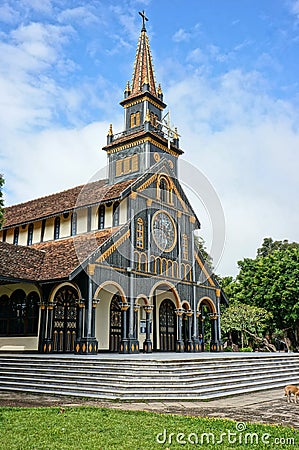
(229, 71)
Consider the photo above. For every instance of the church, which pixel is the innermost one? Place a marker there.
(113, 265)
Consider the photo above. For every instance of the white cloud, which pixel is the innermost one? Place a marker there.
(8, 14)
(181, 35)
(295, 8)
(80, 14)
(61, 158)
(247, 143)
(44, 6)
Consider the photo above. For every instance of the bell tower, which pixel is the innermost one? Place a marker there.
(147, 136)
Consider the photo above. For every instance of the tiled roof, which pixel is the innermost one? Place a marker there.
(18, 262)
(51, 205)
(49, 260)
(63, 256)
(125, 138)
(143, 67)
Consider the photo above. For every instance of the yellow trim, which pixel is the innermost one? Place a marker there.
(91, 269)
(133, 195)
(180, 198)
(142, 141)
(140, 233)
(113, 247)
(204, 270)
(141, 100)
(147, 182)
(210, 303)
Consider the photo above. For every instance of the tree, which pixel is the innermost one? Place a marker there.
(1, 201)
(199, 242)
(250, 321)
(271, 281)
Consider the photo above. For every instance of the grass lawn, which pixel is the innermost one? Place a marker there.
(91, 428)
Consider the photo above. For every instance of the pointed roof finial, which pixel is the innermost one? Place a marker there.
(110, 132)
(144, 19)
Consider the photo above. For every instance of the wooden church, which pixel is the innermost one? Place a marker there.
(112, 265)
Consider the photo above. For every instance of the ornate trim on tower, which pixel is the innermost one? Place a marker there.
(130, 152)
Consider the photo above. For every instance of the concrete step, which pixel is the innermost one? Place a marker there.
(132, 379)
(106, 378)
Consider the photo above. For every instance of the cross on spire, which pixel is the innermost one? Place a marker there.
(144, 19)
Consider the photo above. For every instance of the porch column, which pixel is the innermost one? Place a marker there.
(189, 347)
(42, 326)
(136, 309)
(48, 342)
(195, 337)
(147, 344)
(79, 334)
(179, 343)
(93, 316)
(133, 344)
(88, 344)
(218, 319)
(202, 332)
(214, 345)
(124, 347)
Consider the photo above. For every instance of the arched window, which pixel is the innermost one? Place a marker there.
(140, 233)
(16, 236)
(57, 228)
(74, 224)
(132, 120)
(18, 312)
(30, 234)
(115, 214)
(163, 190)
(101, 217)
(31, 316)
(5, 312)
(135, 119)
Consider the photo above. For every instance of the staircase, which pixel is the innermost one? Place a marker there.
(147, 377)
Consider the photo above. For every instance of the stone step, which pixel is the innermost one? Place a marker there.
(170, 394)
(137, 383)
(135, 379)
(110, 375)
(158, 367)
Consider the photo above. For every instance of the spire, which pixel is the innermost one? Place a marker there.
(143, 67)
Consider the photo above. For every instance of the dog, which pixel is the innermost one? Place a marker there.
(289, 390)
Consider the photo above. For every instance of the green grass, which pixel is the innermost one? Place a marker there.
(91, 428)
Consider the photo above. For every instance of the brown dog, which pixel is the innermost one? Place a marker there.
(289, 390)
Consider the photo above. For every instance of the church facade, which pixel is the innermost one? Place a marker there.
(112, 265)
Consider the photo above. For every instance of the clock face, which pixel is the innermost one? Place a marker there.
(164, 231)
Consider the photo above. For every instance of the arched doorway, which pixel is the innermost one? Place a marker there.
(65, 320)
(207, 329)
(167, 322)
(115, 323)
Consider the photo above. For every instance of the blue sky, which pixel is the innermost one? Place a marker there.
(229, 73)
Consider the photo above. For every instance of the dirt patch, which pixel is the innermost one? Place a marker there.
(274, 411)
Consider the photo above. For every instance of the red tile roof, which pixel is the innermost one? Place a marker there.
(51, 205)
(49, 260)
(63, 256)
(18, 262)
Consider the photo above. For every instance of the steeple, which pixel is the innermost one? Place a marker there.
(147, 136)
(143, 74)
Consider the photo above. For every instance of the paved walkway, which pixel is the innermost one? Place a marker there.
(265, 407)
